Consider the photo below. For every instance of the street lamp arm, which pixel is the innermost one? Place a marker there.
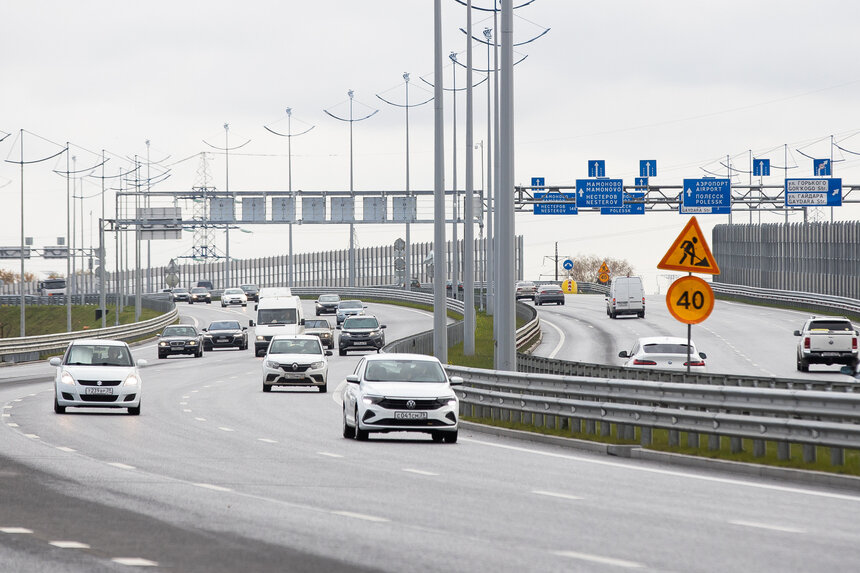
(267, 128)
(38, 160)
(58, 172)
(401, 104)
(463, 88)
(225, 148)
(488, 43)
(371, 114)
(494, 9)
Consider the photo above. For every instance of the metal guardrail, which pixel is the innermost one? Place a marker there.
(806, 300)
(783, 416)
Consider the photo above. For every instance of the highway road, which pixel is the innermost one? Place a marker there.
(737, 338)
(216, 476)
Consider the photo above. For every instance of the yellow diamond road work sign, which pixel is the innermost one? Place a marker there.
(690, 252)
(569, 286)
(690, 300)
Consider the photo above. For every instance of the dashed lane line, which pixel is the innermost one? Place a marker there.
(600, 559)
(121, 466)
(419, 472)
(69, 544)
(557, 495)
(768, 526)
(134, 562)
(329, 455)
(361, 516)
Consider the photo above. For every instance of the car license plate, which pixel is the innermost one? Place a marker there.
(222, 339)
(360, 343)
(293, 375)
(410, 415)
(830, 354)
(99, 391)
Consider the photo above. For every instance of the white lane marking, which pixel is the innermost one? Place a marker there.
(226, 429)
(32, 436)
(267, 440)
(15, 530)
(200, 419)
(65, 449)
(12, 425)
(18, 400)
(213, 487)
(770, 527)
(69, 544)
(561, 337)
(183, 403)
(134, 562)
(185, 397)
(7, 407)
(361, 516)
(337, 395)
(419, 472)
(186, 410)
(554, 494)
(121, 466)
(329, 455)
(728, 481)
(195, 391)
(7, 415)
(208, 386)
(598, 559)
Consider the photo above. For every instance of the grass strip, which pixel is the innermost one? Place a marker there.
(51, 319)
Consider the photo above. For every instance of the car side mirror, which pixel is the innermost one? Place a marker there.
(353, 379)
(255, 306)
(797, 333)
(456, 381)
(623, 354)
(302, 322)
(244, 328)
(384, 326)
(250, 323)
(55, 361)
(158, 335)
(328, 353)
(142, 362)
(365, 306)
(205, 330)
(702, 355)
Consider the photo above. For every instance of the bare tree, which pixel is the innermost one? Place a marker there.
(586, 267)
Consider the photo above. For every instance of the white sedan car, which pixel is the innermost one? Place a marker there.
(97, 374)
(295, 360)
(666, 352)
(233, 296)
(400, 392)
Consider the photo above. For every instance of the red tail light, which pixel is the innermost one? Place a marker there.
(854, 344)
(639, 362)
(806, 343)
(698, 363)
(643, 301)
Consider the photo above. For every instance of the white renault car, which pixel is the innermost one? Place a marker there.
(97, 374)
(401, 393)
(666, 352)
(233, 296)
(295, 360)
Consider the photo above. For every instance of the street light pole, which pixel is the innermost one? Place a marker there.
(440, 330)
(469, 319)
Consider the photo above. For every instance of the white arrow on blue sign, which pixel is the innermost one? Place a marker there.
(761, 167)
(567, 264)
(647, 168)
(596, 168)
(538, 183)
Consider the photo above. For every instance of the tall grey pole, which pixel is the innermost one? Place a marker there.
(507, 353)
(469, 320)
(148, 242)
(138, 275)
(440, 330)
(497, 260)
(232, 207)
(455, 255)
(351, 255)
(407, 255)
(74, 241)
(488, 193)
(23, 298)
(102, 258)
(68, 243)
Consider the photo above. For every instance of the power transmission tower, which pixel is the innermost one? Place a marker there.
(204, 234)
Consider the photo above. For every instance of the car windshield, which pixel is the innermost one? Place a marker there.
(314, 323)
(831, 325)
(234, 291)
(180, 290)
(550, 289)
(179, 331)
(329, 298)
(199, 289)
(404, 371)
(225, 325)
(248, 287)
(665, 348)
(360, 322)
(98, 355)
(276, 316)
(295, 346)
(350, 304)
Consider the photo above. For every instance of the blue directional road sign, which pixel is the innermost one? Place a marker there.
(634, 204)
(761, 167)
(567, 264)
(555, 203)
(821, 167)
(647, 168)
(708, 196)
(538, 183)
(596, 168)
(813, 192)
(642, 183)
(599, 193)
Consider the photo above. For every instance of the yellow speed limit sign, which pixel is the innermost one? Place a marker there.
(690, 300)
(569, 286)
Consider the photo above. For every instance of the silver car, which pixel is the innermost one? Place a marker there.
(348, 308)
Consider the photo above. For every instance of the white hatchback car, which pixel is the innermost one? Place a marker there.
(295, 360)
(97, 374)
(401, 392)
(233, 296)
(666, 352)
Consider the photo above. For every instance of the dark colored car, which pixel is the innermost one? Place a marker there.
(181, 294)
(549, 293)
(360, 333)
(225, 334)
(321, 328)
(327, 303)
(449, 285)
(205, 284)
(200, 294)
(180, 339)
(251, 291)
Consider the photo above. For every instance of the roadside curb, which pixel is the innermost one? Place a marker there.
(804, 477)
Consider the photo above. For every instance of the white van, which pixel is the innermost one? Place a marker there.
(277, 315)
(626, 296)
(272, 292)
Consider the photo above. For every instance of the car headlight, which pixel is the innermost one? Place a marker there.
(451, 400)
(376, 334)
(67, 378)
(131, 380)
(192, 343)
(368, 400)
(260, 337)
(163, 343)
(273, 365)
(317, 365)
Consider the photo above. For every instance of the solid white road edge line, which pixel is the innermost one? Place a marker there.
(361, 516)
(69, 544)
(554, 494)
(561, 340)
(599, 559)
(419, 472)
(753, 524)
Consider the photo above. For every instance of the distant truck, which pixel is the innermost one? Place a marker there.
(827, 340)
(626, 296)
(52, 287)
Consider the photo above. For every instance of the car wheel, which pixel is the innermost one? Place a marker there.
(189, 302)
(134, 411)
(200, 353)
(437, 437)
(561, 303)
(341, 351)
(450, 437)
(57, 408)
(803, 365)
(348, 431)
(612, 315)
(360, 435)
(318, 313)
(323, 388)
(267, 387)
(642, 314)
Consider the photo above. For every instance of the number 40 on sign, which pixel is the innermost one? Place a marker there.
(690, 300)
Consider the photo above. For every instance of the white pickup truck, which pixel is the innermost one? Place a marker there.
(827, 340)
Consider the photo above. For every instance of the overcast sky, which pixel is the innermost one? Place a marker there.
(685, 83)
